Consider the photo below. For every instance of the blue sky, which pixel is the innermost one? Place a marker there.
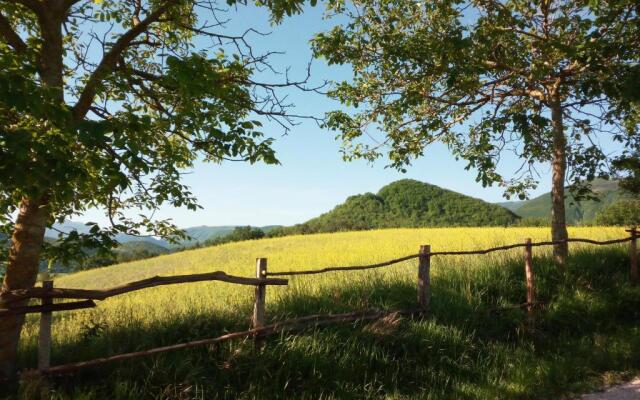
(312, 178)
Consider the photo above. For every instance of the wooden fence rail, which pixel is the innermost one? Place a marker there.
(448, 253)
(102, 294)
(14, 301)
(48, 292)
(75, 305)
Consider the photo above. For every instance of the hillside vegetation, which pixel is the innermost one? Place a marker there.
(137, 250)
(472, 345)
(585, 211)
(405, 204)
(624, 212)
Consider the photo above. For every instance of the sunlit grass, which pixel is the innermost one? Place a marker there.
(447, 351)
(151, 306)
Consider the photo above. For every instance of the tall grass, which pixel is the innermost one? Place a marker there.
(472, 345)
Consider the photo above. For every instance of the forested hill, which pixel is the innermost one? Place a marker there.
(576, 212)
(406, 204)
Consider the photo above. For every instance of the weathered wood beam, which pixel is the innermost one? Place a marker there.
(101, 294)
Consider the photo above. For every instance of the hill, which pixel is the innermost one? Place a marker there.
(576, 212)
(406, 204)
(511, 205)
(137, 250)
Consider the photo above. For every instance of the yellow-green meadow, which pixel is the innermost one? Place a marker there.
(466, 292)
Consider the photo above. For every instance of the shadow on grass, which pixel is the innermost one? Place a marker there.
(471, 345)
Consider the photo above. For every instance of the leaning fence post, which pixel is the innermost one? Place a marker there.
(424, 280)
(528, 272)
(44, 337)
(633, 256)
(258, 318)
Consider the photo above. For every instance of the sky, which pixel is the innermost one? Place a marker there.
(312, 177)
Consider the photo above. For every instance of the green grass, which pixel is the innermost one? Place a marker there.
(469, 347)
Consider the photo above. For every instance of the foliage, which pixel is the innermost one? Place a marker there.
(405, 204)
(629, 164)
(624, 212)
(587, 331)
(106, 112)
(4, 245)
(485, 76)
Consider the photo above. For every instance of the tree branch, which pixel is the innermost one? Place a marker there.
(10, 36)
(69, 3)
(110, 59)
(33, 5)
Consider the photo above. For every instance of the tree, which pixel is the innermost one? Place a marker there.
(104, 104)
(541, 78)
(629, 165)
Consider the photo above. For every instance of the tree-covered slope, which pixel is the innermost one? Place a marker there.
(406, 204)
(576, 212)
(137, 250)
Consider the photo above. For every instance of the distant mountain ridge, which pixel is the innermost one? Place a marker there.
(203, 233)
(406, 203)
(198, 234)
(137, 247)
(576, 212)
(82, 228)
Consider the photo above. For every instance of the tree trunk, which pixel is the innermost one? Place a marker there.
(28, 232)
(559, 168)
(22, 271)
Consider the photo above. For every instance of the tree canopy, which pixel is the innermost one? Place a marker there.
(543, 79)
(629, 166)
(122, 117)
(105, 104)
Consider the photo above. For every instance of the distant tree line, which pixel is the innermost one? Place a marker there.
(625, 212)
(238, 234)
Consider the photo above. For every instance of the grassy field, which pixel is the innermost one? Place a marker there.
(471, 346)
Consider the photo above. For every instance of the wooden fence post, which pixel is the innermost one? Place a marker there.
(424, 280)
(633, 256)
(258, 319)
(44, 339)
(528, 272)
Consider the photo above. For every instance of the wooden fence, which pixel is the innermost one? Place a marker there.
(15, 301)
